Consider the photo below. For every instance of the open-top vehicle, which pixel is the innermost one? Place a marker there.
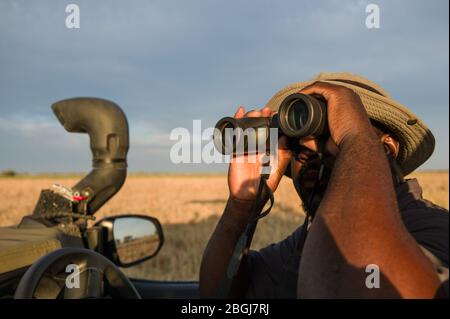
(55, 252)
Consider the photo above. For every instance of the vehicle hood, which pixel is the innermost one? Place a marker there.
(22, 245)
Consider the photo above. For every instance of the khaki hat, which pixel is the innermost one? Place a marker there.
(416, 140)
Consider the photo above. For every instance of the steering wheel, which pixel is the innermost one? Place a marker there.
(97, 277)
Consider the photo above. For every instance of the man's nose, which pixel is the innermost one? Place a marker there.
(312, 145)
(309, 143)
(308, 147)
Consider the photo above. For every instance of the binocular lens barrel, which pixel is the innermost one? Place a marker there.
(302, 115)
(299, 116)
(241, 135)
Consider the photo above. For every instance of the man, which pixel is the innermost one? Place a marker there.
(368, 215)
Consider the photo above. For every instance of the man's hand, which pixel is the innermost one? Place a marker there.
(245, 170)
(243, 182)
(346, 115)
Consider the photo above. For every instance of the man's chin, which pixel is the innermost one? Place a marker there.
(311, 206)
(309, 188)
(312, 196)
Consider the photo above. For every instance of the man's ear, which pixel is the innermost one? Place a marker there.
(391, 145)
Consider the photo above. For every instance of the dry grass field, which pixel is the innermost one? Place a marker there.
(188, 207)
(138, 248)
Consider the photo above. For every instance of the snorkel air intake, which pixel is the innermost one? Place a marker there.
(107, 127)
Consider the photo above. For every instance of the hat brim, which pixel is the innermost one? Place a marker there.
(416, 140)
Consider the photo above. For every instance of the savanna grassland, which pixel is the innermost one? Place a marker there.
(188, 208)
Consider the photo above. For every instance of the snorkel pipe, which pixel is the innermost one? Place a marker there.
(107, 127)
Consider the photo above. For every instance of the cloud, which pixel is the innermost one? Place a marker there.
(169, 62)
(27, 128)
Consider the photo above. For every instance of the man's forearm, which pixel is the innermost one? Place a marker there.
(221, 245)
(357, 224)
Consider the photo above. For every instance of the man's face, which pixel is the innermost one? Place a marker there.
(305, 168)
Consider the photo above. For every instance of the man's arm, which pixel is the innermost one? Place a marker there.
(358, 222)
(243, 181)
(220, 249)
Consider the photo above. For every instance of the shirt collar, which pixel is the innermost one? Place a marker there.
(407, 192)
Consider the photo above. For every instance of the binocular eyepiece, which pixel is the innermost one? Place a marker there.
(298, 116)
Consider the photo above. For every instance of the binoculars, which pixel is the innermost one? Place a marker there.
(298, 116)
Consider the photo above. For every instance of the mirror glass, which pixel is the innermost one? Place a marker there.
(135, 238)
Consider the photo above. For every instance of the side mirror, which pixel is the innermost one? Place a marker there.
(130, 239)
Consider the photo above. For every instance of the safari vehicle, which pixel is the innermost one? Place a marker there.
(58, 252)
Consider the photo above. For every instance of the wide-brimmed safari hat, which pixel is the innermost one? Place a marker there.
(416, 140)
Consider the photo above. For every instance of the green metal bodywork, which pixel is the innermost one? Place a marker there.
(22, 245)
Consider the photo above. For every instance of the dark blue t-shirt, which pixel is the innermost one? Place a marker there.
(273, 270)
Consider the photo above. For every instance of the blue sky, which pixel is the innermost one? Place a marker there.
(169, 62)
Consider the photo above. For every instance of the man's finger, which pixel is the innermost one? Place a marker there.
(240, 112)
(284, 157)
(266, 112)
(253, 113)
(324, 89)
